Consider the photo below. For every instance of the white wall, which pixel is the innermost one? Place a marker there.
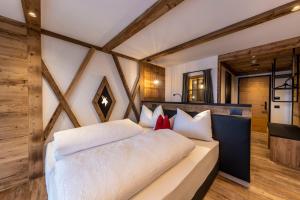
(63, 59)
(284, 113)
(174, 76)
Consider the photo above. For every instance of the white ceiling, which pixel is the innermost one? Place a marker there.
(98, 21)
(279, 29)
(93, 21)
(191, 19)
(12, 9)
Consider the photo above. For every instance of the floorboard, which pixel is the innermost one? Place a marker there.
(269, 181)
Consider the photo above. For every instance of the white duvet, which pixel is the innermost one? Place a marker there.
(115, 170)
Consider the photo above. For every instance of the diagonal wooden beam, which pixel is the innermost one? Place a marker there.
(121, 74)
(128, 109)
(59, 95)
(247, 23)
(75, 80)
(150, 15)
(136, 86)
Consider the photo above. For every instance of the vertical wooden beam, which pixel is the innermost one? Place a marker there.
(131, 101)
(75, 80)
(219, 82)
(35, 115)
(59, 95)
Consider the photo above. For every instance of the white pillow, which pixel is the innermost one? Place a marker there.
(198, 127)
(148, 118)
(73, 140)
(172, 119)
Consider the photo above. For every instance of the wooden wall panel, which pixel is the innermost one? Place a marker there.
(13, 104)
(285, 151)
(296, 109)
(149, 90)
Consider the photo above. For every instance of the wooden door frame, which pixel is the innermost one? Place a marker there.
(256, 76)
(225, 88)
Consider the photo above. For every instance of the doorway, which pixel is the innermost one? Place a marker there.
(228, 80)
(256, 91)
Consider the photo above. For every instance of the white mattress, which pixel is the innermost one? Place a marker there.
(184, 179)
(180, 182)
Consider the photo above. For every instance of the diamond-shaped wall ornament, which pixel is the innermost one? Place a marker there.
(104, 101)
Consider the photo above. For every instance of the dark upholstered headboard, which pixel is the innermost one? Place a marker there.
(233, 133)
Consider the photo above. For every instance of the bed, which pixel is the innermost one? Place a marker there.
(188, 177)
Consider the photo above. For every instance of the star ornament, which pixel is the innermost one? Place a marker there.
(104, 100)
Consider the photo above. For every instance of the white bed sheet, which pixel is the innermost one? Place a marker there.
(180, 182)
(184, 179)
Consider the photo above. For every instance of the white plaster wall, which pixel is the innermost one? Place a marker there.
(174, 76)
(284, 113)
(63, 59)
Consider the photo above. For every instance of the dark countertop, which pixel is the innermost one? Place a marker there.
(211, 104)
(284, 131)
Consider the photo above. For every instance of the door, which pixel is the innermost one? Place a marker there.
(255, 91)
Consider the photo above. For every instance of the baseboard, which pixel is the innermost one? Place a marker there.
(234, 179)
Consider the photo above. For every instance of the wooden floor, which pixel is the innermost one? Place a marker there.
(268, 179)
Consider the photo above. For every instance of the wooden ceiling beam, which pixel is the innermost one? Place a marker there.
(32, 12)
(150, 15)
(247, 23)
(85, 44)
(36, 28)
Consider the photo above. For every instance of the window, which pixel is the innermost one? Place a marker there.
(196, 89)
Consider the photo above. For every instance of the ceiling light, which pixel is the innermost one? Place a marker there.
(295, 8)
(32, 14)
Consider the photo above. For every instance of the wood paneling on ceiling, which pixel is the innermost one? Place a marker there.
(259, 59)
(261, 63)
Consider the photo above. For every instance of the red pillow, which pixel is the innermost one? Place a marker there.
(159, 123)
(166, 124)
(162, 123)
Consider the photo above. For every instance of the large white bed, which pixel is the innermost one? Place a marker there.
(181, 178)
